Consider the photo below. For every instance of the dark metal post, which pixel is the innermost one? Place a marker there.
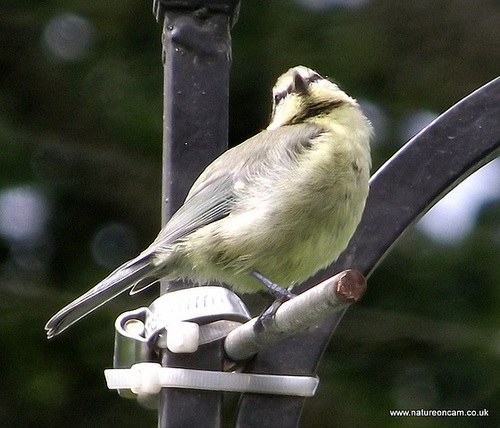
(197, 59)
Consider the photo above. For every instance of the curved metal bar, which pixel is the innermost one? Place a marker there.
(456, 144)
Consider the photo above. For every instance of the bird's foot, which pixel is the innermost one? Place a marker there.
(280, 294)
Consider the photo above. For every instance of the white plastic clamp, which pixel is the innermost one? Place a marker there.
(148, 378)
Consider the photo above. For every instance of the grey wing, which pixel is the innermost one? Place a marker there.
(212, 196)
(245, 159)
(210, 204)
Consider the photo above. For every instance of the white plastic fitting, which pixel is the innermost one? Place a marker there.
(182, 337)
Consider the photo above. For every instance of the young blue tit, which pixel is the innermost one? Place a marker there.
(273, 210)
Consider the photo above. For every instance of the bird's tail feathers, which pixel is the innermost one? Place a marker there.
(120, 280)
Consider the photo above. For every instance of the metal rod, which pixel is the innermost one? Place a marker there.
(297, 314)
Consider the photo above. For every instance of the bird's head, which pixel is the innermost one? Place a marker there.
(302, 95)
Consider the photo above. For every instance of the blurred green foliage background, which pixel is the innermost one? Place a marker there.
(80, 177)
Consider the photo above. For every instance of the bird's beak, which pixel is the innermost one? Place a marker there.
(300, 85)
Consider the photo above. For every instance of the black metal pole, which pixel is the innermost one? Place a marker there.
(197, 59)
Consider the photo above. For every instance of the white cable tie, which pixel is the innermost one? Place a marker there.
(149, 378)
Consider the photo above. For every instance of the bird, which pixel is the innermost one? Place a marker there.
(266, 214)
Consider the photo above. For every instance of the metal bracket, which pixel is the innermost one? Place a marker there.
(179, 321)
(182, 320)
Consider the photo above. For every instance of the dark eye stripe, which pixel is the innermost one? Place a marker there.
(315, 109)
(278, 96)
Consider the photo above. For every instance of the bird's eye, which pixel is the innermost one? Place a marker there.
(279, 96)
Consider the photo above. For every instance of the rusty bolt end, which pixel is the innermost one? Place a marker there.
(351, 286)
